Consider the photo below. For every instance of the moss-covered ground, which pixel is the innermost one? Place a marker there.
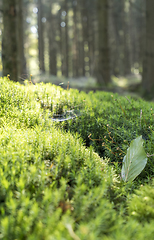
(61, 153)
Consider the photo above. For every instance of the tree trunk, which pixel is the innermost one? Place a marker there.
(66, 55)
(91, 37)
(40, 37)
(148, 62)
(84, 14)
(20, 39)
(9, 41)
(52, 25)
(125, 41)
(75, 43)
(103, 75)
(61, 43)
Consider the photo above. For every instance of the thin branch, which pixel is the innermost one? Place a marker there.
(150, 155)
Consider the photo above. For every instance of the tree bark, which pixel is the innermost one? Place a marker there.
(103, 75)
(52, 25)
(41, 37)
(66, 55)
(22, 72)
(84, 15)
(13, 58)
(9, 40)
(125, 41)
(148, 62)
(75, 43)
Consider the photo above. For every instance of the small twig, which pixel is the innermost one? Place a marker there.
(129, 101)
(140, 116)
(94, 139)
(71, 232)
(123, 110)
(150, 155)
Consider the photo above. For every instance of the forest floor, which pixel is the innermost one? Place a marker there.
(123, 85)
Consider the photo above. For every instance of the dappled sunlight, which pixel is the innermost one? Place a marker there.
(126, 81)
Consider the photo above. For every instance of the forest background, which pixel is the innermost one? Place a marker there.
(98, 40)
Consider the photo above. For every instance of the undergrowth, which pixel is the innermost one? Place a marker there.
(61, 179)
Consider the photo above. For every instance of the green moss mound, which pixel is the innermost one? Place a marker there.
(109, 122)
(53, 183)
(141, 204)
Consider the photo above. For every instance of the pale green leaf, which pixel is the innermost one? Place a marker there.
(134, 161)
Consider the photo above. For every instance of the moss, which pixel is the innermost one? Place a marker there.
(54, 183)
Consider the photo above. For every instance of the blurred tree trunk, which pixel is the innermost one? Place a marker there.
(84, 13)
(60, 47)
(114, 19)
(41, 37)
(148, 62)
(13, 58)
(1, 27)
(51, 33)
(9, 41)
(75, 42)
(66, 54)
(126, 39)
(103, 74)
(64, 40)
(80, 43)
(20, 40)
(91, 37)
(61, 42)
